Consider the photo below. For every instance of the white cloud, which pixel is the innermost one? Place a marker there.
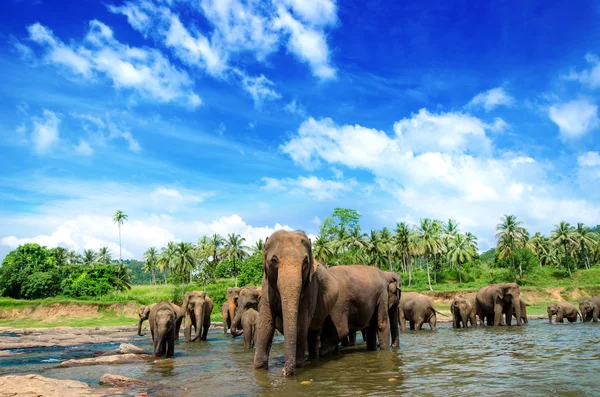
(260, 89)
(295, 108)
(318, 188)
(83, 148)
(145, 71)
(337, 173)
(591, 76)
(491, 99)
(45, 132)
(589, 159)
(575, 118)
(316, 12)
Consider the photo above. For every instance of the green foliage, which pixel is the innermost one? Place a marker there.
(225, 269)
(251, 270)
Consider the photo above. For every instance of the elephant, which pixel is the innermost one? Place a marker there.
(226, 318)
(297, 295)
(590, 309)
(417, 309)
(198, 308)
(464, 312)
(231, 296)
(363, 303)
(144, 314)
(249, 320)
(162, 320)
(562, 310)
(497, 299)
(248, 298)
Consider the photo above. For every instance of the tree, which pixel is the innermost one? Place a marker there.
(205, 260)
(119, 218)
(401, 239)
(510, 234)
(234, 248)
(104, 256)
(387, 245)
(428, 242)
(460, 251)
(184, 261)
(564, 235)
(166, 259)
(216, 242)
(322, 250)
(258, 246)
(347, 218)
(150, 263)
(585, 240)
(89, 257)
(356, 241)
(374, 248)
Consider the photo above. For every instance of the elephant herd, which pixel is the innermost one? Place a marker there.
(319, 309)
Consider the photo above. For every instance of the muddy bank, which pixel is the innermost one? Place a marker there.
(36, 385)
(49, 313)
(63, 336)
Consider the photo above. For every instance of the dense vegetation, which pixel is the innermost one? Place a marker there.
(428, 254)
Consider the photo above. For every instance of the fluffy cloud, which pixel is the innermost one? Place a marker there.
(45, 132)
(591, 76)
(575, 118)
(144, 71)
(260, 89)
(491, 99)
(318, 188)
(589, 159)
(83, 148)
(444, 166)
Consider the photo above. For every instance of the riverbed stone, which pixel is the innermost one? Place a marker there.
(104, 360)
(39, 386)
(119, 381)
(128, 348)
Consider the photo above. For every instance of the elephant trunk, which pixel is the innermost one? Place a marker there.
(140, 327)
(290, 286)
(464, 317)
(236, 323)
(231, 311)
(157, 343)
(199, 314)
(550, 317)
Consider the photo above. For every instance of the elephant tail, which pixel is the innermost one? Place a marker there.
(440, 313)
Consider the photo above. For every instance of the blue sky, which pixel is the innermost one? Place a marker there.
(248, 116)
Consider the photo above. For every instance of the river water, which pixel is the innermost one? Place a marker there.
(533, 360)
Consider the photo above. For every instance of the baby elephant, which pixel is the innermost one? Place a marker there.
(417, 309)
(464, 311)
(590, 309)
(163, 320)
(562, 310)
(249, 320)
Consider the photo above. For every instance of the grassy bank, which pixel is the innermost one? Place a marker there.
(539, 289)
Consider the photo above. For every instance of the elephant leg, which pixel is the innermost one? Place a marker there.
(402, 320)
(433, 322)
(497, 314)
(559, 317)
(383, 326)
(171, 344)
(455, 323)
(206, 327)
(412, 325)
(394, 333)
(303, 324)
(163, 346)
(509, 315)
(371, 338)
(264, 337)
(313, 344)
(178, 328)
(419, 325)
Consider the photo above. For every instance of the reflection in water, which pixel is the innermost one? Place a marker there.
(536, 359)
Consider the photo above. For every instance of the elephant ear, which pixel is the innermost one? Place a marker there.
(313, 263)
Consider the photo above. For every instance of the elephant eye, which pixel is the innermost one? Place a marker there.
(274, 261)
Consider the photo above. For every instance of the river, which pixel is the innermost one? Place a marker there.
(533, 360)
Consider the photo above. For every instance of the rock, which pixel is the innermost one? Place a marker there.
(38, 386)
(306, 383)
(127, 348)
(103, 360)
(119, 381)
(6, 354)
(64, 336)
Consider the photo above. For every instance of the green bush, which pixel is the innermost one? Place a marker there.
(251, 271)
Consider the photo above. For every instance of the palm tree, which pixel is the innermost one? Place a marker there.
(104, 256)
(166, 259)
(374, 248)
(61, 255)
(450, 230)
(510, 234)
(73, 257)
(460, 251)
(234, 248)
(322, 250)
(357, 241)
(564, 235)
(89, 257)
(401, 239)
(184, 261)
(429, 242)
(150, 262)
(119, 218)
(585, 240)
(216, 242)
(258, 246)
(387, 245)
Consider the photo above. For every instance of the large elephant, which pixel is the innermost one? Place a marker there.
(590, 309)
(464, 312)
(248, 298)
(225, 315)
(162, 320)
(497, 299)
(299, 292)
(198, 308)
(417, 309)
(249, 320)
(144, 314)
(363, 303)
(562, 310)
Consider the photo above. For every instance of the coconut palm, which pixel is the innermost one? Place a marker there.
(233, 249)
(119, 218)
(322, 250)
(356, 241)
(460, 252)
(104, 257)
(401, 239)
(89, 257)
(150, 263)
(375, 249)
(510, 235)
(258, 246)
(216, 242)
(73, 257)
(184, 261)
(166, 259)
(564, 235)
(428, 241)
(61, 255)
(585, 240)
(387, 245)
(450, 230)
(538, 244)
